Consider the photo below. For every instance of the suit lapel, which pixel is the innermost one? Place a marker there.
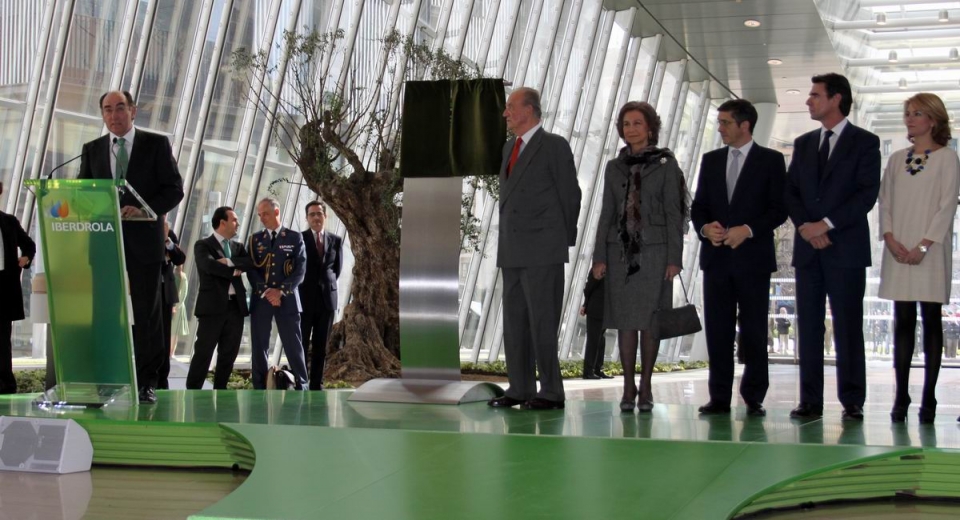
(103, 157)
(529, 151)
(327, 240)
(746, 171)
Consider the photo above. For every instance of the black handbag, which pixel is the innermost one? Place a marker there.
(678, 321)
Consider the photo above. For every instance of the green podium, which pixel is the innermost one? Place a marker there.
(90, 314)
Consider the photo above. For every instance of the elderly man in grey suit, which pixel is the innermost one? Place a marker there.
(539, 207)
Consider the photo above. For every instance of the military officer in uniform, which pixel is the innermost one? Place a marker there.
(281, 262)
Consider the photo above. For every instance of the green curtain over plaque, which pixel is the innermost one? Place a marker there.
(80, 237)
(452, 128)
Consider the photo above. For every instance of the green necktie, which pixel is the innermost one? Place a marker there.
(226, 248)
(122, 158)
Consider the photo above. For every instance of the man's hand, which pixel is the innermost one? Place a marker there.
(237, 272)
(736, 236)
(812, 230)
(23, 261)
(672, 270)
(273, 296)
(583, 310)
(132, 211)
(223, 261)
(715, 233)
(821, 242)
(599, 270)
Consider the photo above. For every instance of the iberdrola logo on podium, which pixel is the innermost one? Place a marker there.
(60, 209)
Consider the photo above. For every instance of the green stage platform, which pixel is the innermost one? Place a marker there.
(317, 455)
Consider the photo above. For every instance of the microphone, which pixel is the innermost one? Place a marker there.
(61, 165)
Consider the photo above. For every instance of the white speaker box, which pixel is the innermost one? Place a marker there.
(44, 445)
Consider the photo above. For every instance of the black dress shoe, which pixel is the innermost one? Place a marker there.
(148, 395)
(503, 402)
(806, 410)
(539, 403)
(713, 408)
(852, 413)
(604, 375)
(756, 410)
(591, 376)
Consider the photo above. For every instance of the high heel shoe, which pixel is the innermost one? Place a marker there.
(898, 414)
(927, 415)
(626, 405)
(644, 405)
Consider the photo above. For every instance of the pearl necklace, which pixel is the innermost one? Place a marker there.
(915, 166)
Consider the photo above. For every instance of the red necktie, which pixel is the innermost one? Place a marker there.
(320, 245)
(513, 155)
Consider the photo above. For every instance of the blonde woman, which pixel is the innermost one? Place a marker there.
(918, 200)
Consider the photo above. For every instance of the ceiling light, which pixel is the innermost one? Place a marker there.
(751, 23)
(774, 61)
(902, 83)
(944, 16)
(793, 91)
(881, 19)
(954, 54)
(892, 57)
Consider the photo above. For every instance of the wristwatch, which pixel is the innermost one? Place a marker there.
(923, 249)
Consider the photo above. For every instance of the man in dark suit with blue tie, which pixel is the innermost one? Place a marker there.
(221, 300)
(16, 254)
(738, 205)
(145, 160)
(832, 183)
(318, 292)
(280, 263)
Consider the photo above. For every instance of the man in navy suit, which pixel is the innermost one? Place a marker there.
(832, 183)
(146, 161)
(280, 263)
(318, 292)
(16, 255)
(738, 205)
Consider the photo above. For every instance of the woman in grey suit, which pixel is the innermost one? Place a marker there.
(639, 243)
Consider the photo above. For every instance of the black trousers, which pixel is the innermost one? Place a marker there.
(596, 346)
(730, 299)
(315, 331)
(147, 329)
(222, 332)
(8, 383)
(164, 373)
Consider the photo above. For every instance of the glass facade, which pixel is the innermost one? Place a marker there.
(175, 57)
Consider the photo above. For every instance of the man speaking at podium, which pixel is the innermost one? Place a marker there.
(146, 161)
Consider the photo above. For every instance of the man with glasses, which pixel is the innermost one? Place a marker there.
(318, 292)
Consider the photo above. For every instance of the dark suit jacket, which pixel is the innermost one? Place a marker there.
(177, 257)
(280, 266)
(16, 243)
(319, 287)
(847, 192)
(539, 203)
(757, 202)
(153, 173)
(216, 278)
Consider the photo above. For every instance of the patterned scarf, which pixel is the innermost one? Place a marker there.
(631, 225)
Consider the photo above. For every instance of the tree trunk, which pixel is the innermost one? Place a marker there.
(365, 343)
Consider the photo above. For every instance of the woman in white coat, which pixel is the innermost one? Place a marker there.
(918, 199)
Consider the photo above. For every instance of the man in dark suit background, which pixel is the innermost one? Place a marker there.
(17, 254)
(221, 300)
(145, 160)
(318, 292)
(737, 206)
(280, 263)
(592, 308)
(539, 208)
(169, 295)
(833, 182)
